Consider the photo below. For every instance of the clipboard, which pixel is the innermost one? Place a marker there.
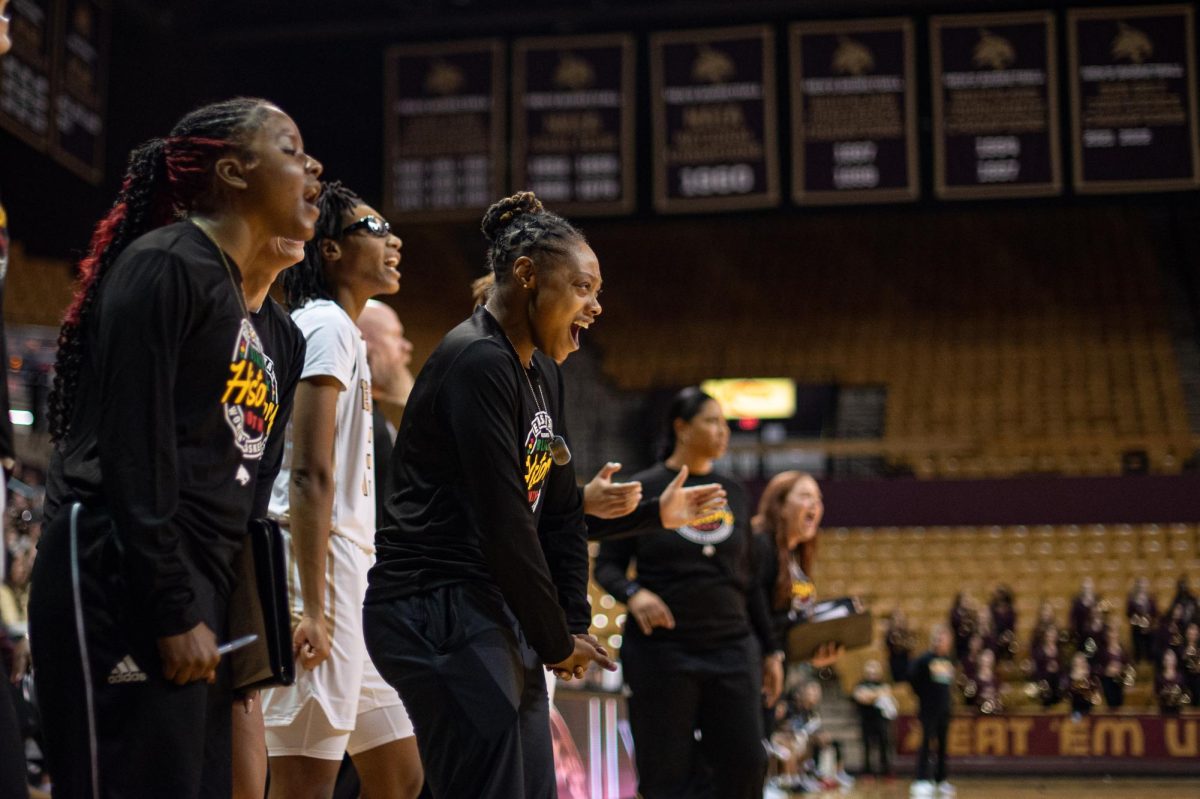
(840, 621)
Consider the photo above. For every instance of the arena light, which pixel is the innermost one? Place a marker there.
(21, 418)
(754, 397)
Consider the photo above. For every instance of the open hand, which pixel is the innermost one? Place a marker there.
(605, 499)
(678, 505)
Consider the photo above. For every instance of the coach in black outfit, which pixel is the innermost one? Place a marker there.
(699, 640)
(481, 574)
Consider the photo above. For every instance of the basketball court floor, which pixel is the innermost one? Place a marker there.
(1038, 788)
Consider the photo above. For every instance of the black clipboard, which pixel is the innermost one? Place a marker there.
(841, 621)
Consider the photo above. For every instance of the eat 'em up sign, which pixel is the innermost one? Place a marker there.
(713, 106)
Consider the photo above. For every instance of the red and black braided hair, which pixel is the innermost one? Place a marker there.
(164, 180)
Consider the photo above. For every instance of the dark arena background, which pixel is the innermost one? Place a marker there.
(944, 255)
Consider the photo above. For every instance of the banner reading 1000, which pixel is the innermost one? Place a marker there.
(714, 114)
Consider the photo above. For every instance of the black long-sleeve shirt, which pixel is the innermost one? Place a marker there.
(179, 417)
(803, 596)
(931, 676)
(704, 572)
(474, 495)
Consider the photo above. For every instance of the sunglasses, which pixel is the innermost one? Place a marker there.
(379, 228)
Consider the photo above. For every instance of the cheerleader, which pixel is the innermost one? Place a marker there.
(1047, 669)
(1142, 612)
(1045, 619)
(1115, 670)
(964, 620)
(1004, 622)
(1094, 632)
(1082, 687)
(981, 689)
(1081, 608)
(1189, 659)
(1169, 687)
(1170, 632)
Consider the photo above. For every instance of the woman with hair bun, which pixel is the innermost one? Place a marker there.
(699, 652)
(480, 580)
(171, 395)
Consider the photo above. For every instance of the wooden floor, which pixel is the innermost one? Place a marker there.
(1037, 788)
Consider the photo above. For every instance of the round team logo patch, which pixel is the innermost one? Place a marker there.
(711, 529)
(251, 399)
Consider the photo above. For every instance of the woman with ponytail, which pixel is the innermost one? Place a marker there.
(481, 575)
(698, 651)
(171, 395)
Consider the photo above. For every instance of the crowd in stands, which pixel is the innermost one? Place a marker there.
(1082, 660)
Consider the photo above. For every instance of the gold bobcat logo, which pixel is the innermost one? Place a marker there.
(992, 51)
(1131, 44)
(712, 65)
(852, 58)
(573, 73)
(444, 78)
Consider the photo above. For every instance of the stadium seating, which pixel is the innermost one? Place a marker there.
(920, 569)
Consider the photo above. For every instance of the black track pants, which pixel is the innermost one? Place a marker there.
(114, 727)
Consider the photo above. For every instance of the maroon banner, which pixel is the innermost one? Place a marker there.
(573, 122)
(80, 88)
(995, 105)
(1133, 98)
(27, 70)
(715, 134)
(1143, 741)
(854, 111)
(444, 129)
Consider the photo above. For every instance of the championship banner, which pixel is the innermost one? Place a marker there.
(444, 126)
(26, 72)
(1133, 98)
(995, 105)
(80, 86)
(1102, 740)
(854, 112)
(713, 107)
(573, 122)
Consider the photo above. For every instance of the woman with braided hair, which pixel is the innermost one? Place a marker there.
(324, 498)
(172, 392)
(481, 574)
